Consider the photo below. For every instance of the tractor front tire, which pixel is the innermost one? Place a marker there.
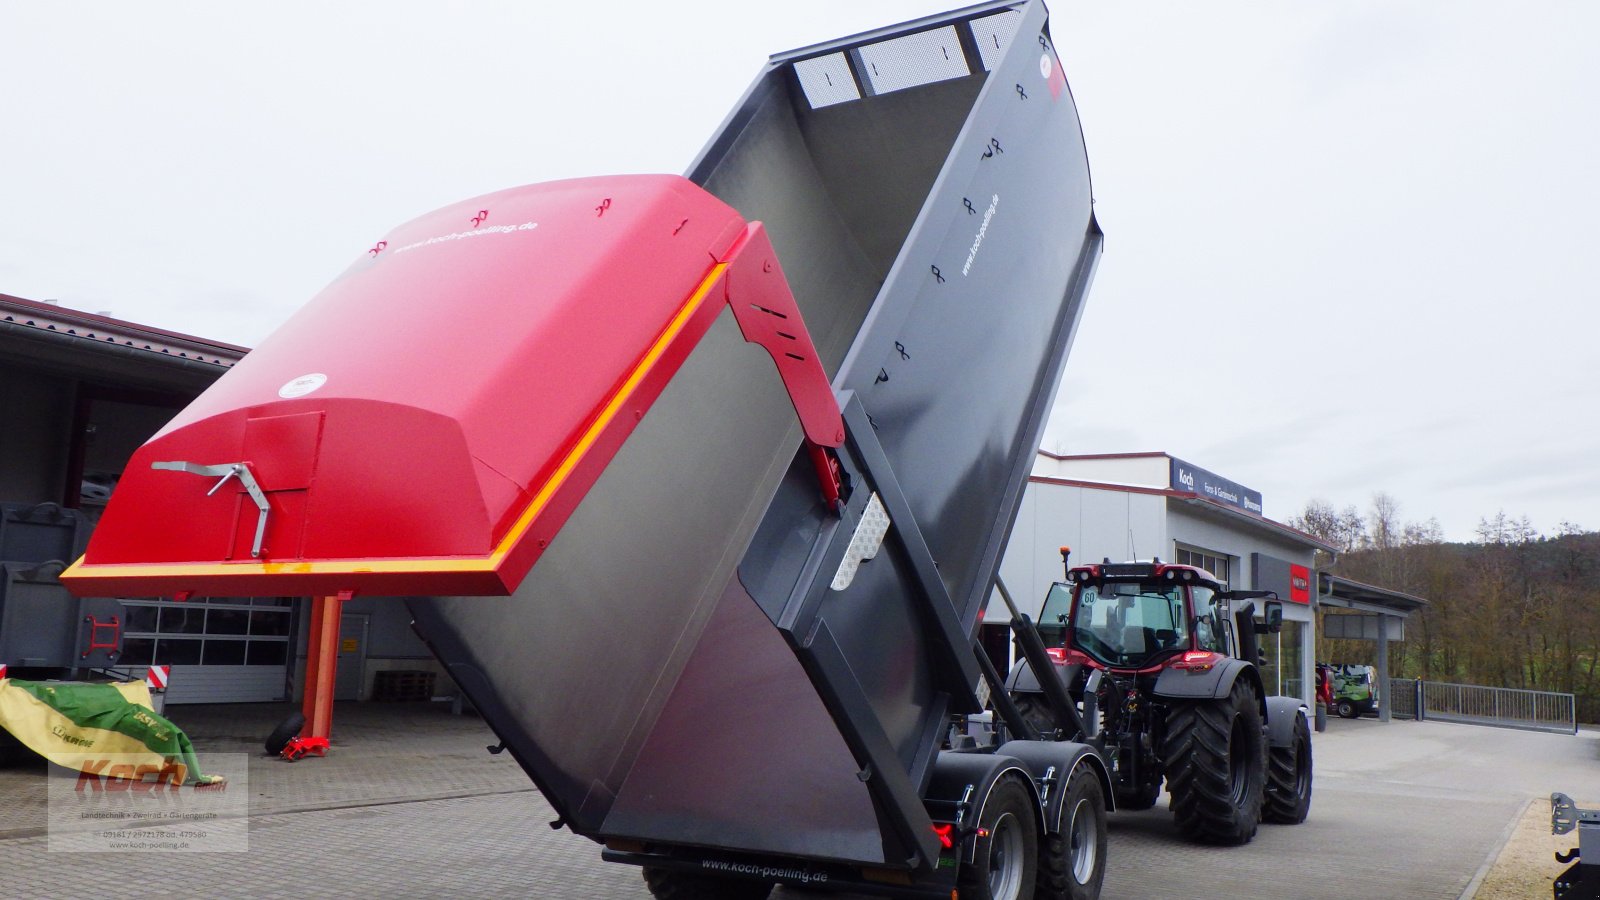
(1215, 753)
(1289, 779)
(1073, 863)
(1036, 712)
(665, 884)
(1005, 864)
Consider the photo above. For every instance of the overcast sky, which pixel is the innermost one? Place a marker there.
(1348, 244)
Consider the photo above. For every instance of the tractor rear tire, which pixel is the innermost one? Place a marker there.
(1005, 864)
(1289, 779)
(1073, 864)
(1215, 754)
(666, 884)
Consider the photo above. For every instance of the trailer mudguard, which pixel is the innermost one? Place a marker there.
(1058, 760)
(1281, 713)
(1212, 684)
(962, 782)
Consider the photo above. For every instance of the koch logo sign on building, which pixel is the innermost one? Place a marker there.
(1186, 477)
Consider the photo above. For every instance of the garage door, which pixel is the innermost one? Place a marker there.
(231, 650)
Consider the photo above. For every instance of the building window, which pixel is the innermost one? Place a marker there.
(1210, 560)
(1281, 674)
(225, 631)
(996, 641)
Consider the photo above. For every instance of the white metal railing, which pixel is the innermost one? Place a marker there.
(1477, 704)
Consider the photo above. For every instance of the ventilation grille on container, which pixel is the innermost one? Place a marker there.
(993, 34)
(912, 60)
(827, 80)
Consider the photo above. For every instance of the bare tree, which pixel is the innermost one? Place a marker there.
(1385, 519)
(1513, 608)
(1344, 530)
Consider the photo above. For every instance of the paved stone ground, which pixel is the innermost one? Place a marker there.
(409, 804)
(381, 753)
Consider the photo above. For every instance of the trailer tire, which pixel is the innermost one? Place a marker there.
(1036, 712)
(1005, 862)
(287, 729)
(1073, 864)
(1289, 779)
(666, 884)
(1346, 709)
(1216, 767)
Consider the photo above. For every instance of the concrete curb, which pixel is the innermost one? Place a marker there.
(1471, 890)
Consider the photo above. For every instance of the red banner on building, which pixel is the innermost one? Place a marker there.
(1299, 584)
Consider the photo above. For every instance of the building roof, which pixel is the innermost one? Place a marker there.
(47, 337)
(1144, 454)
(1203, 505)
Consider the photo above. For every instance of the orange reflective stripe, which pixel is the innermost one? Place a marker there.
(609, 413)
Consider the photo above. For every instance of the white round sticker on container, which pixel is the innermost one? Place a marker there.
(305, 384)
(1045, 65)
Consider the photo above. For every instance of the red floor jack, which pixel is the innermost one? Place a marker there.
(302, 746)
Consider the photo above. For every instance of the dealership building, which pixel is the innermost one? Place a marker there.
(1127, 506)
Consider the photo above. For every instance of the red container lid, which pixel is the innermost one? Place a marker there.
(427, 423)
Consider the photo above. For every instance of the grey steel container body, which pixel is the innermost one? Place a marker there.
(39, 620)
(677, 668)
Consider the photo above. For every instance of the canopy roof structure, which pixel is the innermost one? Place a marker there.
(1333, 590)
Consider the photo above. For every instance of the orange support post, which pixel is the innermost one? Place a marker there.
(322, 660)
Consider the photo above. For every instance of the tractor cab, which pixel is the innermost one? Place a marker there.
(1135, 616)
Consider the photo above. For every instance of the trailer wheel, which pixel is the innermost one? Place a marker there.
(1216, 767)
(1289, 779)
(1004, 865)
(1346, 710)
(1073, 863)
(665, 884)
(286, 730)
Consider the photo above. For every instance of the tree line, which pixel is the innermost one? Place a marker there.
(1514, 608)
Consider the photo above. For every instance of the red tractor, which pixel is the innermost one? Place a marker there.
(1158, 665)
